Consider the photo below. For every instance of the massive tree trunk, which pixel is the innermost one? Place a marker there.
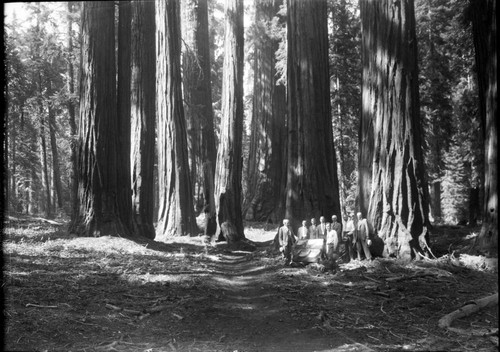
(312, 180)
(229, 160)
(143, 115)
(485, 42)
(98, 161)
(265, 161)
(198, 94)
(123, 110)
(390, 128)
(176, 213)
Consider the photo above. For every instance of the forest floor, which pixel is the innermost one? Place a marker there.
(64, 293)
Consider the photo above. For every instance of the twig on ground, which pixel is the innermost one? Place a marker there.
(369, 278)
(39, 306)
(119, 309)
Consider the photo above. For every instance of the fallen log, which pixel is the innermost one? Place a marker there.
(470, 308)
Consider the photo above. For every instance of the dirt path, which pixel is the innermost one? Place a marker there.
(247, 310)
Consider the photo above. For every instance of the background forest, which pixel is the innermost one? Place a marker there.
(42, 55)
(153, 148)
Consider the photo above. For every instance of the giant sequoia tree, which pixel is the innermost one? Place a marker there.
(143, 68)
(197, 88)
(229, 162)
(312, 181)
(266, 159)
(123, 108)
(391, 181)
(99, 211)
(176, 212)
(198, 105)
(485, 42)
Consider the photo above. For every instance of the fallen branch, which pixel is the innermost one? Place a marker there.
(39, 306)
(471, 308)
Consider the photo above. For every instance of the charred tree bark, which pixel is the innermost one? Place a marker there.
(198, 90)
(265, 161)
(98, 161)
(229, 156)
(143, 64)
(176, 213)
(390, 128)
(312, 180)
(485, 42)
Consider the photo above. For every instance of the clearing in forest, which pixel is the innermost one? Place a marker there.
(66, 293)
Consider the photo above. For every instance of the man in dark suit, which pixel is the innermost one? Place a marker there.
(286, 239)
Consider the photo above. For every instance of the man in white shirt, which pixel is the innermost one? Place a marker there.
(302, 232)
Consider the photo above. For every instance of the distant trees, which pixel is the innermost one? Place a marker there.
(197, 84)
(267, 158)
(312, 182)
(36, 66)
(391, 162)
(345, 78)
(196, 80)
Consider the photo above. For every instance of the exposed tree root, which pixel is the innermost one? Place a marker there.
(470, 308)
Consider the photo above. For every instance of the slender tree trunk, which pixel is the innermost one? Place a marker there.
(265, 156)
(98, 162)
(312, 184)
(485, 42)
(390, 128)
(198, 91)
(229, 154)
(72, 117)
(44, 162)
(123, 108)
(143, 115)
(55, 159)
(176, 213)
(12, 162)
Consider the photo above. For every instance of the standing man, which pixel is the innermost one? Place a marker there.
(363, 237)
(348, 235)
(302, 232)
(341, 246)
(286, 239)
(322, 230)
(313, 230)
(337, 226)
(332, 242)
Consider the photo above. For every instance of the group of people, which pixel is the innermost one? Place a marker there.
(348, 240)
